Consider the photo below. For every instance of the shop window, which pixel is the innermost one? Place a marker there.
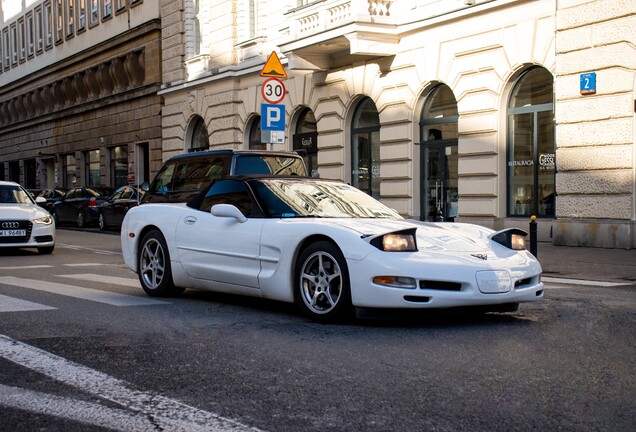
(119, 166)
(92, 168)
(14, 171)
(197, 136)
(531, 146)
(69, 170)
(439, 158)
(306, 139)
(365, 148)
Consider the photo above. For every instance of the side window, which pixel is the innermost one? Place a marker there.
(163, 182)
(229, 192)
(198, 173)
(127, 193)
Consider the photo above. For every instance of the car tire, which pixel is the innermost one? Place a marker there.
(322, 286)
(153, 266)
(102, 222)
(46, 250)
(81, 219)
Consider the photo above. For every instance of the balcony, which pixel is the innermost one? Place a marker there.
(323, 31)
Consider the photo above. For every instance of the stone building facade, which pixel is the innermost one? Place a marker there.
(484, 111)
(78, 92)
(465, 110)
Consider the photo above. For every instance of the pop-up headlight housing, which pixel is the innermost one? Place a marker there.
(512, 238)
(399, 241)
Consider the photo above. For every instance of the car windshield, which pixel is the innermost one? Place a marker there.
(287, 198)
(10, 194)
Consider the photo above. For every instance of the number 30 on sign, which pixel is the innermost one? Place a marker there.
(273, 90)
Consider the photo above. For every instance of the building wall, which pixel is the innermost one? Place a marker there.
(94, 89)
(595, 132)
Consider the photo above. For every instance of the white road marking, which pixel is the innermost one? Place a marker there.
(165, 413)
(26, 267)
(99, 251)
(110, 298)
(94, 265)
(114, 280)
(564, 281)
(73, 409)
(10, 304)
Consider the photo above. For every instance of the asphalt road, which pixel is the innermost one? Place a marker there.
(83, 349)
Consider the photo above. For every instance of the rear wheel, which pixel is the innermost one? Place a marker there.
(153, 266)
(81, 219)
(102, 222)
(322, 283)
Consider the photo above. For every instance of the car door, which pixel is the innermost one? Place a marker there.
(122, 204)
(65, 209)
(108, 209)
(221, 249)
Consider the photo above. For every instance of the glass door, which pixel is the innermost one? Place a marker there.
(440, 182)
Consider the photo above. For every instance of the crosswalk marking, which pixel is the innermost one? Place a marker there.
(110, 298)
(10, 304)
(30, 267)
(162, 412)
(113, 280)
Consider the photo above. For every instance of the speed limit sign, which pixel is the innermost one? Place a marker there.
(273, 90)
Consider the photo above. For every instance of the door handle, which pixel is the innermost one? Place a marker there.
(190, 220)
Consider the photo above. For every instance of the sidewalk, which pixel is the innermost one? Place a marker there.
(597, 264)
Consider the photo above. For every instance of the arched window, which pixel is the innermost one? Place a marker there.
(254, 137)
(439, 157)
(531, 152)
(306, 138)
(365, 148)
(198, 139)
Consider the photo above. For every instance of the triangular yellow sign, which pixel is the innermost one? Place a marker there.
(273, 67)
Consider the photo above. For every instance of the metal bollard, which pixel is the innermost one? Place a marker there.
(533, 235)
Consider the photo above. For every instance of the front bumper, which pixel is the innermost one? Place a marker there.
(445, 282)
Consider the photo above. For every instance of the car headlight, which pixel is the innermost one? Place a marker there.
(44, 220)
(401, 241)
(512, 238)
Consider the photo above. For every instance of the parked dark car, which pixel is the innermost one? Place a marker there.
(80, 205)
(112, 212)
(183, 176)
(51, 196)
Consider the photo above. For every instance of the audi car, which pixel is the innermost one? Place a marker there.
(23, 223)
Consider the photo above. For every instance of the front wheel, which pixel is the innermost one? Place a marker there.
(322, 283)
(153, 266)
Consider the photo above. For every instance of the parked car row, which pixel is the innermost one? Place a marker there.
(83, 206)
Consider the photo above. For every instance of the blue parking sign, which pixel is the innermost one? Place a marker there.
(273, 117)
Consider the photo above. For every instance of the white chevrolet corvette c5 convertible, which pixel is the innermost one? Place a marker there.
(325, 245)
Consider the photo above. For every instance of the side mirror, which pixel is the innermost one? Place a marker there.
(40, 200)
(228, 211)
(145, 187)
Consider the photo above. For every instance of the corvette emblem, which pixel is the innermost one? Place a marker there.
(480, 256)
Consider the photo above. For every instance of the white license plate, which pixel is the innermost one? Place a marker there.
(12, 233)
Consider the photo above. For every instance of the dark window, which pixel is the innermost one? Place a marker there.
(228, 192)
(365, 148)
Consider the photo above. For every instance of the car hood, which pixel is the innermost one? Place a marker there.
(445, 236)
(21, 211)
